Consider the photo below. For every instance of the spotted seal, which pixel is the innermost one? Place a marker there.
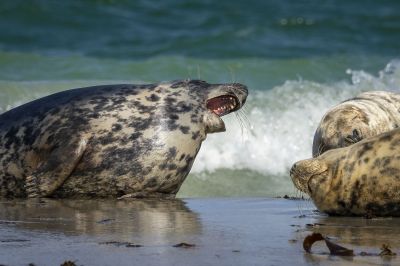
(111, 141)
(361, 179)
(366, 115)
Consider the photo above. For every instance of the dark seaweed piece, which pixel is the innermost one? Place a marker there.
(386, 251)
(310, 240)
(334, 249)
(338, 250)
(131, 245)
(184, 245)
(314, 225)
(68, 263)
(13, 240)
(119, 244)
(105, 221)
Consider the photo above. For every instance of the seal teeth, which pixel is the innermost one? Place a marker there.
(222, 105)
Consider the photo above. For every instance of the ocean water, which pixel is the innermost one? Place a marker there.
(298, 58)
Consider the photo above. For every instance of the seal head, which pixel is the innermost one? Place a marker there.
(368, 114)
(358, 180)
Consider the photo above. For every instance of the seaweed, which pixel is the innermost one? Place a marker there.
(334, 249)
(184, 245)
(337, 250)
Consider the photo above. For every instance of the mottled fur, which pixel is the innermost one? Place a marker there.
(361, 179)
(108, 141)
(366, 115)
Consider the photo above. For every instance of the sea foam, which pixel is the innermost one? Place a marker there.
(280, 123)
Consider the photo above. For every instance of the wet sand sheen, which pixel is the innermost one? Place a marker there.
(255, 231)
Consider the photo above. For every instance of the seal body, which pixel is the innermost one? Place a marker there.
(361, 179)
(366, 115)
(111, 141)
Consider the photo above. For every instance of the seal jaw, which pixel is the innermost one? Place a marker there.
(213, 123)
(217, 107)
(223, 105)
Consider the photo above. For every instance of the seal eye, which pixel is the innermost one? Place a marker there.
(223, 105)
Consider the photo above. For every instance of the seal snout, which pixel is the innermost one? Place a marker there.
(241, 92)
(302, 171)
(298, 177)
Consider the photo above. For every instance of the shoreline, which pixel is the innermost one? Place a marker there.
(224, 231)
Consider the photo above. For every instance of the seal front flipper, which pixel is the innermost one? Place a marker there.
(52, 173)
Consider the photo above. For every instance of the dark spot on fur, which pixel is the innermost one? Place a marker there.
(172, 153)
(365, 148)
(135, 136)
(354, 194)
(173, 116)
(178, 84)
(116, 127)
(153, 98)
(195, 135)
(184, 130)
(141, 124)
(390, 171)
(387, 137)
(151, 182)
(349, 167)
(11, 137)
(172, 166)
(107, 139)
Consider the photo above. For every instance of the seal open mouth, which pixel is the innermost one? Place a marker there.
(223, 105)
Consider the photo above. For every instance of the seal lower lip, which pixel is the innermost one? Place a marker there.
(223, 105)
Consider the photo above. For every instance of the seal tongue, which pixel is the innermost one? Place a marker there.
(222, 105)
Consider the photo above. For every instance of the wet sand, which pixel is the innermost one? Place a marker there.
(255, 231)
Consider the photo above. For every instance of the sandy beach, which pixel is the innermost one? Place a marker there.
(234, 231)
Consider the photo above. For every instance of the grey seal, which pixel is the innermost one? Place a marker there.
(366, 115)
(362, 179)
(111, 141)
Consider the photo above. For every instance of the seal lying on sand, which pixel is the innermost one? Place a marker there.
(361, 179)
(111, 141)
(366, 115)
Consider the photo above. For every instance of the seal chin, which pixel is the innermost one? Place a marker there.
(218, 107)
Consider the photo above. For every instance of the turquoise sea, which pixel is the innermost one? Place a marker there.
(298, 59)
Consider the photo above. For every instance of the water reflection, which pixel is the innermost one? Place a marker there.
(356, 233)
(125, 220)
(360, 231)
